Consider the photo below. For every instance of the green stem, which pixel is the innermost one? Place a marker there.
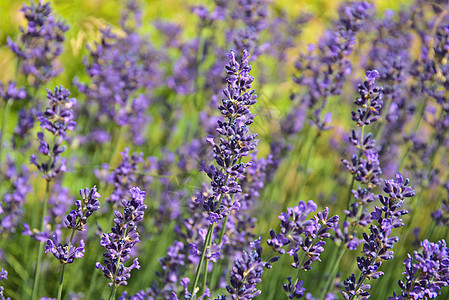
(209, 242)
(40, 246)
(61, 281)
(3, 130)
(200, 264)
(333, 273)
(306, 165)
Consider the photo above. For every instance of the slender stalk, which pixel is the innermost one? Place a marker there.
(209, 242)
(203, 254)
(306, 164)
(40, 246)
(333, 273)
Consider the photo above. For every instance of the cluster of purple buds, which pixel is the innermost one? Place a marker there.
(75, 220)
(40, 43)
(365, 166)
(378, 244)
(370, 100)
(85, 207)
(302, 234)
(122, 238)
(56, 119)
(12, 92)
(247, 273)
(235, 142)
(66, 254)
(425, 277)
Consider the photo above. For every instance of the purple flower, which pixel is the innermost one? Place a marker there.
(12, 92)
(370, 100)
(64, 253)
(235, 141)
(56, 119)
(247, 272)
(378, 243)
(426, 272)
(77, 219)
(40, 43)
(122, 238)
(294, 291)
(302, 235)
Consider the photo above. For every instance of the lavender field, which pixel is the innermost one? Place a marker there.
(224, 149)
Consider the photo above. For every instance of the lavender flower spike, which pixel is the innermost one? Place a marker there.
(77, 219)
(122, 238)
(56, 119)
(428, 274)
(66, 254)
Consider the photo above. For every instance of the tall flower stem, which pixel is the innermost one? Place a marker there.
(210, 230)
(41, 247)
(335, 263)
(61, 281)
(306, 165)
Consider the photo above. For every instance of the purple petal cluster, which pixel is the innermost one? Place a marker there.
(40, 42)
(66, 254)
(370, 101)
(302, 235)
(365, 166)
(235, 140)
(378, 244)
(247, 273)
(122, 238)
(426, 272)
(85, 207)
(56, 119)
(12, 92)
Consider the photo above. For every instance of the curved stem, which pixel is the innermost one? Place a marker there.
(41, 246)
(335, 264)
